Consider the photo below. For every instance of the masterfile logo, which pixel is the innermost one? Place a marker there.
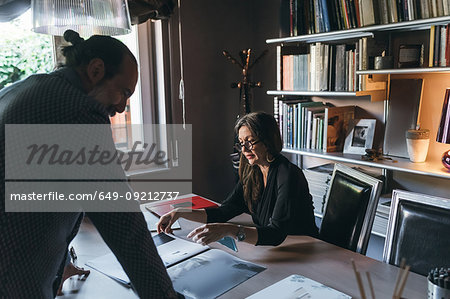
(69, 168)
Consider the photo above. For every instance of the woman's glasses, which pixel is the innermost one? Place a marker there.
(247, 144)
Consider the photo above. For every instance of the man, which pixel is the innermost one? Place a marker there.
(100, 76)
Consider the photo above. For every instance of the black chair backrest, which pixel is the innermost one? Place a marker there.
(419, 231)
(346, 210)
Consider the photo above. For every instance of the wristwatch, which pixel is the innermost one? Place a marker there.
(241, 234)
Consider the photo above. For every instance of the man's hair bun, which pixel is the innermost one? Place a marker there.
(72, 37)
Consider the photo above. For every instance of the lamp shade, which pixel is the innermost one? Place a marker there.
(87, 17)
(443, 134)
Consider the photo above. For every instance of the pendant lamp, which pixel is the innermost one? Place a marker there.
(87, 17)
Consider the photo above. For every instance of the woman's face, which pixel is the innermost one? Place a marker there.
(257, 154)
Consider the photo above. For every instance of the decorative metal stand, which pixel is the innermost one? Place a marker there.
(244, 86)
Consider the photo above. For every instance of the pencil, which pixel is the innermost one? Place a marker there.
(403, 281)
(372, 292)
(359, 281)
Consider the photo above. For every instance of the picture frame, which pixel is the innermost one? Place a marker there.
(410, 56)
(360, 135)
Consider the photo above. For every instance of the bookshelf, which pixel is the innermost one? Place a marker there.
(377, 89)
(406, 71)
(433, 169)
(367, 31)
(428, 177)
(312, 93)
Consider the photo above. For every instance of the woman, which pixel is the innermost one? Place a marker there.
(271, 189)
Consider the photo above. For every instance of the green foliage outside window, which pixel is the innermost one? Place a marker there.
(23, 52)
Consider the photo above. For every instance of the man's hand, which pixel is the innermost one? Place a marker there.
(71, 270)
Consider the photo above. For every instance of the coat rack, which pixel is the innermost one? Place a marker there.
(245, 84)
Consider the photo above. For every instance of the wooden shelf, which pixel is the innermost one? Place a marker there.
(311, 93)
(376, 95)
(434, 169)
(361, 32)
(406, 71)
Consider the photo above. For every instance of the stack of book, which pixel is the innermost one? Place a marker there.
(300, 17)
(323, 67)
(439, 46)
(382, 216)
(314, 125)
(319, 178)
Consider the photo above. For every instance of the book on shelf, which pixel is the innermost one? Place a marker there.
(319, 178)
(311, 115)
(190, 266)
(439, 46)
(336, 122)
(316, 16)
(380, 221)
(314, 125)
(322, 67)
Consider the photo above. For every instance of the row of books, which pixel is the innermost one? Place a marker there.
(439, 46)
(381, 219)
(319, 180)
(325, 67)
(300, 17)
(314, 125)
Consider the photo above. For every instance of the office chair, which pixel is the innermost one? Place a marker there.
(419, 231)
(352, 201)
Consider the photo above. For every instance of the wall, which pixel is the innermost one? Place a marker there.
(208, 28)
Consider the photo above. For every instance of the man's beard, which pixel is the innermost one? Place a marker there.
(111, 110)
(99, 92)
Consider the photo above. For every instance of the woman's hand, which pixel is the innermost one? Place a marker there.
(211, 232)
(165, 222)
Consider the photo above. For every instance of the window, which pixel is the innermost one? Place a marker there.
(22, 51)
(147, 104)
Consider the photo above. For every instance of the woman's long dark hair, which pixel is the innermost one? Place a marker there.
(264, 128)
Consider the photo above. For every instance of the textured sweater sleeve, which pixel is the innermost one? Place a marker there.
(127, 236)
(234, 205)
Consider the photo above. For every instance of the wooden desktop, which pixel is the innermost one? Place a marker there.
(310, 257)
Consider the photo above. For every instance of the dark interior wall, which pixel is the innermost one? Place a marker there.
(209, 27)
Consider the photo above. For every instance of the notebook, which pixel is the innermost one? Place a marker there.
(193, 202)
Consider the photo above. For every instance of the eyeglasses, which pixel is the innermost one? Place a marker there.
(247, 144)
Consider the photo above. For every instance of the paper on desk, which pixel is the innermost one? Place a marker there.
(210, 274)
(171, 249)
(298, 286)
(110, 266)
(205, 275)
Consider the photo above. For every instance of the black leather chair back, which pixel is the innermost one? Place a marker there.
(420, 233)
(350, 210)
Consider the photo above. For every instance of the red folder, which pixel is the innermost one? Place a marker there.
(194, 202)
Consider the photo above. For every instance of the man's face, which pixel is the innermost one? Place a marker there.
(114, 92)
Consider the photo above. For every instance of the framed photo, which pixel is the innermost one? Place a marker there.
(359, 136)
(410, 56)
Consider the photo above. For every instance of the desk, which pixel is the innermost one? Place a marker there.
(303, 255)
